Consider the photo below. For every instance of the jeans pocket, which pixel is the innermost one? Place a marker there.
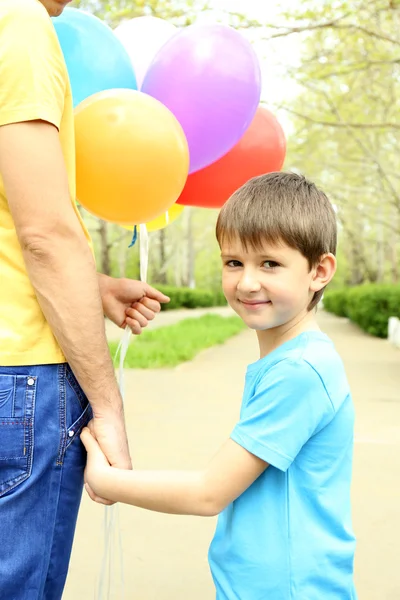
(17, 401)
(78, 410)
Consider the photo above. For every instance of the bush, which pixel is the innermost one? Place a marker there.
(191, 298)
(336, 301)
(370, 306)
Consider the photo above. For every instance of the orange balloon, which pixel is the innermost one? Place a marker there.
(132, 157)
(261, 150)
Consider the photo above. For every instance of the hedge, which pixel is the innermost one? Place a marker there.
(336, 301)
(370, 306)
(190, 298)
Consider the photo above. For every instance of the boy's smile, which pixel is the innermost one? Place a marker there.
(254, 304)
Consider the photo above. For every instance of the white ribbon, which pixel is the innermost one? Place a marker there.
(112, 554)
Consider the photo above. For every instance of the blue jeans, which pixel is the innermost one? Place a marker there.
(42, 412)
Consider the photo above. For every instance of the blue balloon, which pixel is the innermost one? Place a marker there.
(96, 59)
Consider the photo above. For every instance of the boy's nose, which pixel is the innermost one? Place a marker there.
(249, 283)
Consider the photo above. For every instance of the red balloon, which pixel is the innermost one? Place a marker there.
(261, 150)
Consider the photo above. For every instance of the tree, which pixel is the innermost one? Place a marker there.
(346, 121)
(180, 12)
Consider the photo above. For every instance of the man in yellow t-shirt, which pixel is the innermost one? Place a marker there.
(55, 368)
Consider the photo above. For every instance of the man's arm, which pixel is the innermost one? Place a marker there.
(203, 493)
(61, 269)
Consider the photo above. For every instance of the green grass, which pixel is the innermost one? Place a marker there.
(171, 345)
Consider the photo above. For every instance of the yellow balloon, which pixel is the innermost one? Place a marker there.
(163, 220)
(132, 157)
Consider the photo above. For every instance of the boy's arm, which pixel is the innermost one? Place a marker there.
(204, 493)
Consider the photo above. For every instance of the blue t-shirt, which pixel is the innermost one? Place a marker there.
(289, 535)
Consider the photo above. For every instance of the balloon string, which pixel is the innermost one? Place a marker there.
(112, 529)
(134, 237)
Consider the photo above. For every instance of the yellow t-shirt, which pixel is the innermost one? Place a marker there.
(34, 85)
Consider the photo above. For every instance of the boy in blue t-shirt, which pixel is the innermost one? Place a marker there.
(282, 480)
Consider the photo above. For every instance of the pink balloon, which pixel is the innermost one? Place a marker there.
(209, 77)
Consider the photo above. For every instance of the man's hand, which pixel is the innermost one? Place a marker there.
(131, 303)
(108, 428)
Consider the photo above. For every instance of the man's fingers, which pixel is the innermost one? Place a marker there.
(133, 325)
(136, 315)
(153, 305)
(155, 294)
(142, 309)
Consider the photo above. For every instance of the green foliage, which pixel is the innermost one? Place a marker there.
(188, 298)
(346, 118)
(370, 306)
(169, 346)
(336, 301)
(180, 12)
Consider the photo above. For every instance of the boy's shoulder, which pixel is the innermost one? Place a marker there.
(310, 359)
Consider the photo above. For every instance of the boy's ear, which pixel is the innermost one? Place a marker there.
(323, 272)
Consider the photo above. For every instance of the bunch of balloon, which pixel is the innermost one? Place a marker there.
(200, 91)
(131, 152)
(261, 150)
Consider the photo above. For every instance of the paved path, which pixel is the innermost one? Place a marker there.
(178, 418)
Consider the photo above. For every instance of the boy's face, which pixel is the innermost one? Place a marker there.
(270, 288)
(55, 7)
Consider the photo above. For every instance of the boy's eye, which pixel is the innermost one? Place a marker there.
(270, 264)
(233, 263)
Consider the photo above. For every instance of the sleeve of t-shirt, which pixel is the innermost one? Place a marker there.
(290, 404)
(32, 67)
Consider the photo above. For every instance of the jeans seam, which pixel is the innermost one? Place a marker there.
(29, 416)
(62, 410)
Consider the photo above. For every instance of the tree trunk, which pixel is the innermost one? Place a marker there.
(123, 251)
(162, 275)
(105, 248)
(191, 283)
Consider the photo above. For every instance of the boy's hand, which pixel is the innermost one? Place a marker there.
(97, 468)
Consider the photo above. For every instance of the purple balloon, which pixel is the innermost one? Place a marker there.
(209, 77)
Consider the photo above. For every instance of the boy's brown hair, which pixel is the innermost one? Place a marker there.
(281, 207)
